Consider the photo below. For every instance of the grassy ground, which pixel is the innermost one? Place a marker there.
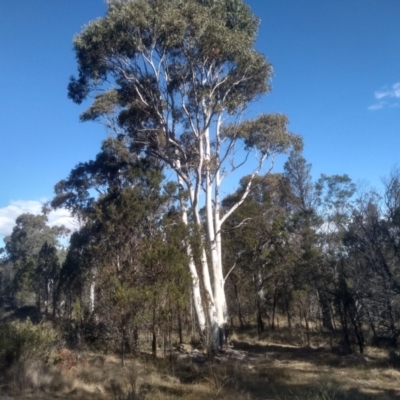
(276, 366)
(271, 368)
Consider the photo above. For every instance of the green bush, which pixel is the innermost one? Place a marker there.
(21, 341)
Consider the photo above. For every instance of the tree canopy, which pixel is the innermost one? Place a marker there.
(172, 79)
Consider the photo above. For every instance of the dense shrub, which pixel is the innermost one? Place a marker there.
(25, 341)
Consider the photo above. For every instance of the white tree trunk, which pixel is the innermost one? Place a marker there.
(198, 305)
(210, 299)
(92, 295)
(213, 235)
(197, 299)
(92, 291)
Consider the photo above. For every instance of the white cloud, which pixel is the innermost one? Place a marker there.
(381, 94)
(387, 93)
(377, 106)
(396, 90)
(9, 214)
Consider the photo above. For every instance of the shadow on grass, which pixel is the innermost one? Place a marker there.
(304, 392)
(277, 383)
(319, 356)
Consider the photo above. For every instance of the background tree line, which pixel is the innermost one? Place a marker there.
(300, 255)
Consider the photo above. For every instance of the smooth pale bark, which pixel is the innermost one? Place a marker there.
(197, 298)
(198, 305)
(210, 300)
(217, 241)
(213, 181)
(92, 292)
(218, 296)
(48, 291)
(213, 307)
(92, 296)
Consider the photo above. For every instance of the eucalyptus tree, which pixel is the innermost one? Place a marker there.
(256, 247)
(372, 244)
(47, 273)
(23, 248)
(87, 192)
(303, 222)
(28, 236)
(174, 78)
(130, 253)
(336, 204)
(306, 231)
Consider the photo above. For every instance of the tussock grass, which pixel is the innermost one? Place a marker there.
(37, 380)
(269, 368)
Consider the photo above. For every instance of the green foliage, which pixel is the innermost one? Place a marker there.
(132, 245)
(334, 197)
(267, 133)
(173, 63)
(25, 282)
(28, 236)
(30, 259)
(21, 341)
(219, 32)
(77, 312)
(165, 76)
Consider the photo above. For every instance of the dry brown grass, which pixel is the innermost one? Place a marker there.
(254, 370)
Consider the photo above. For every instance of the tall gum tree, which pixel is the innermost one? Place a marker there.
(174, 78)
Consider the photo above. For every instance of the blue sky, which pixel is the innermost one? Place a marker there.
(337, 77)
